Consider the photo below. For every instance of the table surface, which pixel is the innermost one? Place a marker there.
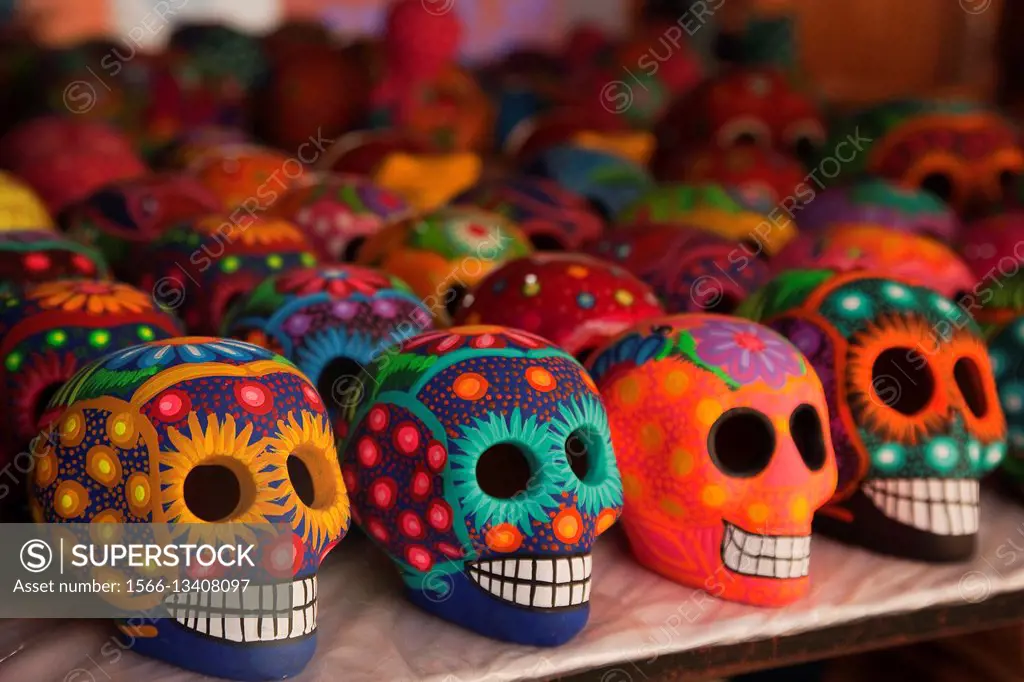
(637, 618)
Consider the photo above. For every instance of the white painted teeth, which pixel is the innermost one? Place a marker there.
(767, 556)
(934, 505)
(536, 583)
(260, 613)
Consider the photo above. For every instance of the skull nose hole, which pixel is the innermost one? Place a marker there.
(741, 442)
(577, 451)
(302, 480)
(968, 380)
(352, 249)
(453, 298)
(341, 382)
(902, 380)
(503, 471)
(547, 242)
(805, 426)
(212, 492)
(43, 400)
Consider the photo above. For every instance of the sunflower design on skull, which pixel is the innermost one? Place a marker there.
(223, 442)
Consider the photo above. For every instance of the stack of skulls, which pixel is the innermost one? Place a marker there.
(427, 180)
(339, 212)
(553, 218)
(65, 159)
(52, 329)
(690, 270)
(123, 218)
(585, 300)
(715, 209)
(442, 254)
(873, 201)
(200, 267)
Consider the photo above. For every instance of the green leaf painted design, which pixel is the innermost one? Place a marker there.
(785, 292)
(398, 370)
(686, 346)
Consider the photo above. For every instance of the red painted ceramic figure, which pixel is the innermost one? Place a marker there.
(575, 301)
(764, 177)
(689, 269)
(718, 426)
(910, 258)
(122, 219)
(743, 107)
(424, 92)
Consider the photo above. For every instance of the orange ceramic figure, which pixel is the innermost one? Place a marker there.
(911, 258)
(717, 425)
(247, 176)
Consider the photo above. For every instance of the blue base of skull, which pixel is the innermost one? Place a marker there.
(464, 601)
(246, 661)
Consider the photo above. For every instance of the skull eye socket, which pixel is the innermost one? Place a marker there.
(724, 304)
(741, 442)
(577, 451)
(212, 492)
(351, 251)
(546, 242)
(805, 427)
(938, 184)
(503, 471)
(902, 380)
(302, 480)
(968, 380)
(340, 382)
(453, 298)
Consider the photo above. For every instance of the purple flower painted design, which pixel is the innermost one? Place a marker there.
(748, 352)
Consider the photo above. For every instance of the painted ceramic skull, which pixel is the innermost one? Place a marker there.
(717, 427)
(200, 268)
(198, 431)
(994, 250)
(915, 259)
(337, 213)
(915, 416)
(1006, 349)
(482, 464)
(122, 218)
(690, 270)
(238, 173)
(332, 323)
(50, 330)
(874, 201)
(964, 154)
(20, 208)
(719, 210)
(553, 218)
(575, 301)
(442, 254)
(41, 255)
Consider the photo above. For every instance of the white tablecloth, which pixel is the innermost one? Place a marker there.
(368, 633)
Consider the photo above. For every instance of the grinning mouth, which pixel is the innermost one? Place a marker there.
(935, 505)
(260, 613)
(765, 556)
(539, 583)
